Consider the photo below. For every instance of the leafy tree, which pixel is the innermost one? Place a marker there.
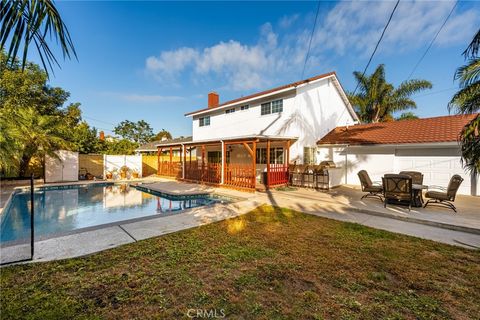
(32, 117)
(139, 132)
(122, 146)
(407, 116)
(467, 101)
(25, 23)
(163, 134)
(377, 99)
(85, 139)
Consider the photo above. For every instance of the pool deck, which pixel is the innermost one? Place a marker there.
(343, 204)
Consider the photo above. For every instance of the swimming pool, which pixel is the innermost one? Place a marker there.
(65, 209)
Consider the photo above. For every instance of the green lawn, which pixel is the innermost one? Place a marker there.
(268, 264)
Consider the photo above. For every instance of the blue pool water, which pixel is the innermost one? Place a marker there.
(66, 209)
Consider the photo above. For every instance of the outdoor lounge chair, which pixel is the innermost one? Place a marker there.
(374, 190)
(447, 197)
(398, 187)
(417, 177)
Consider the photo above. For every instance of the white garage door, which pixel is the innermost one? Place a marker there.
(437, 166)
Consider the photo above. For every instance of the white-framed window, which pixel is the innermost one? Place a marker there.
(204, 121)
(245, 107)
(232, 110)
(276, 156)
(275, 106)
(309, 155)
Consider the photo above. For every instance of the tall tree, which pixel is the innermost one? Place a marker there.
(33, 22)
(163, 134)
(377, 100)
(467, 101)
(138, 132)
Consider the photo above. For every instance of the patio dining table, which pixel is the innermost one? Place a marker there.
(417, 194)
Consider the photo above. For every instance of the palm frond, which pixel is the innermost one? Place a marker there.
(473, 47)
(468, 73)
(470, 142)
(407, 88)
(32, 22)
(467, 100)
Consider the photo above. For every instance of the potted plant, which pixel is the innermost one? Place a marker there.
(135, 174)
(123, 172)
(109, 175)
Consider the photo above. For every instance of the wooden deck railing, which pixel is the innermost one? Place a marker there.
(278, 174)
(240, 175)
(208, 172)
(170, 169)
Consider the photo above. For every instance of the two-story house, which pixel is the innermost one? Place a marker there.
(251, 140)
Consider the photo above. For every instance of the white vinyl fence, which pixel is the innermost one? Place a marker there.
(62, 168)
(113, 163)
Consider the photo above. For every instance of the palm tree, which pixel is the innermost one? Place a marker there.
(467, 101)
(30, 22)
(41, 135)
(377, 99)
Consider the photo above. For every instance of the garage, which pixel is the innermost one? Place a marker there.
(427, 145)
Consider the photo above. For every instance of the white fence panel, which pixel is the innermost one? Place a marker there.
(63, 168)
(113, 163)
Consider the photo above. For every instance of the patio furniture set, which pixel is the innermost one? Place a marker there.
(406, 188)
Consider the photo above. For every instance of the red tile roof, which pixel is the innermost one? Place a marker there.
(437, 129)
(293, 84)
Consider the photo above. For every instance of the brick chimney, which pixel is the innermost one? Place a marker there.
(213, 100)
(101, 135)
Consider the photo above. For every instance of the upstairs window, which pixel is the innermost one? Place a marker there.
(245, 107)
(266, 108)
(230, 111)
(204, 121)
(275, 106)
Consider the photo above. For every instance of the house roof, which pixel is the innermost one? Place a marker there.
(427, 130)
(152, 146)
(270, 91)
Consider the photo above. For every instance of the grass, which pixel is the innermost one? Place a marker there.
(268, 264)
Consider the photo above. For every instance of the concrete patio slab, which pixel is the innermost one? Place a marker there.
(176, 188)
(466, 219)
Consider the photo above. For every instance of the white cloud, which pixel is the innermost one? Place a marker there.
(348, 29)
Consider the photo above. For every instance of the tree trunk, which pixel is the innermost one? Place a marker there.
(22, 172)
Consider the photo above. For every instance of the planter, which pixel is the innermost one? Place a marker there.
(109, 175)
(123, 175)
(135, 175)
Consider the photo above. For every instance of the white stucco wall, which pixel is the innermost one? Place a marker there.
(309, 112)
(436, 163)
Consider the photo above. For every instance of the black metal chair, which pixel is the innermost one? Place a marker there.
(374, 191)
(417, 177)
(398, 187)
(447, 197)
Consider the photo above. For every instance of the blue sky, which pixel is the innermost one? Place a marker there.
(158, 60)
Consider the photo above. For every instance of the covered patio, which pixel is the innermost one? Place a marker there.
(244, 163)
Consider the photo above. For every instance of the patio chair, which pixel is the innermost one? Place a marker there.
(398, 187)
(374, 190)
(447, 197)
(417, 177)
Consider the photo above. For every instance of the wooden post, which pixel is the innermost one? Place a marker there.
(224, 161)
(254, 164)
(184, 152)
(203, 161)
(268, 164)
(170, 171)
(288, 153)
(160, 154)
